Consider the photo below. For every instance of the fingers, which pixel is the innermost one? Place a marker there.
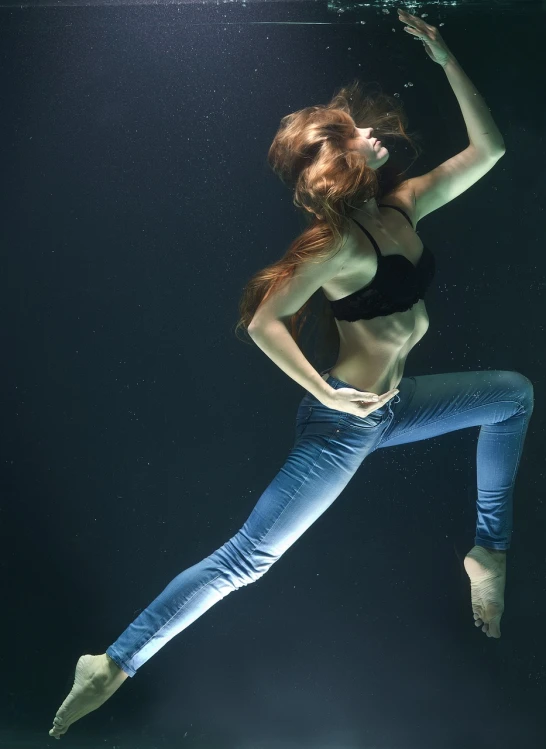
(391, 392)
(363, 395)
(413, 20)
(363, 408)
(363, 403)
(386, 397)
(413, 23)
(389, 395)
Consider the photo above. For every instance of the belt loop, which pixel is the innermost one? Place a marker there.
(396, 399)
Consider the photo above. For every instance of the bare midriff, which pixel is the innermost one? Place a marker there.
(373, 353)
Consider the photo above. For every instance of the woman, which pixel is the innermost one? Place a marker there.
(373, 269)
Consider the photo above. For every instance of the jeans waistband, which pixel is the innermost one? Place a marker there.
(336, 384)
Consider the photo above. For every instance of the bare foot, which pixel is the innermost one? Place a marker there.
(486, 569)
(97, 678)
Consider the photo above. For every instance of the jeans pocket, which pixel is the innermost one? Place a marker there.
(302, 417)
(372, 420)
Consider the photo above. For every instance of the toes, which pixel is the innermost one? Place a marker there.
(494, 627)
(59, 727)
(491, 628)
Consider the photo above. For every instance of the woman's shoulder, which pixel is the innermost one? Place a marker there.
(403, 197)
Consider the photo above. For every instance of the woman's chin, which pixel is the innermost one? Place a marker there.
(382, 156)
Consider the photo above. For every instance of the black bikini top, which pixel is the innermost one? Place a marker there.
(396, 286)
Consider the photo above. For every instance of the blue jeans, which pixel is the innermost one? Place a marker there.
(329, 447)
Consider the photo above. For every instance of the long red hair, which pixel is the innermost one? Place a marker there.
(309, 155)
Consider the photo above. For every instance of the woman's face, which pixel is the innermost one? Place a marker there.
(372, 149)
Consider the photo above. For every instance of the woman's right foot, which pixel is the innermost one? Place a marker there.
(97, 678)
(486, 569)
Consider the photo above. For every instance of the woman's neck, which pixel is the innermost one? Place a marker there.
(369, 209)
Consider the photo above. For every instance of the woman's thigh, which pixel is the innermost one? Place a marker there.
(329, 448)
(431, 405)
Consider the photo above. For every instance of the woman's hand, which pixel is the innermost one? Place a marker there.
(357, 402)
(430, 36)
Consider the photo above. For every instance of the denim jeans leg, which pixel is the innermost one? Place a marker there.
(327, 452)
(501, 404)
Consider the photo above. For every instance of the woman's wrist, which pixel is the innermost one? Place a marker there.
(323, 392)
(450, 62)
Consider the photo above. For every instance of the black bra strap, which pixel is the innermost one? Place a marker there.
(372, 240)
(396, 208)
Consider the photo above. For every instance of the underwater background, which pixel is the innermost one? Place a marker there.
(138, 432)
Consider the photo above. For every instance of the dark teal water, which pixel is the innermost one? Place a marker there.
(138, 432)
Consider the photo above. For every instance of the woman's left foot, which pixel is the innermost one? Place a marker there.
(486, 569)
(97, 678)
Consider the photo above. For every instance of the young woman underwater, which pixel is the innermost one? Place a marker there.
(362, 253)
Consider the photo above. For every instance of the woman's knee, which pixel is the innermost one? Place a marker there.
(522, 387)
(244, 561)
